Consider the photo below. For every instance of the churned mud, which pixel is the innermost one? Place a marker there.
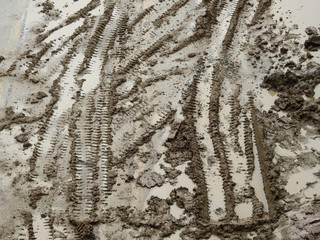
(160, 119)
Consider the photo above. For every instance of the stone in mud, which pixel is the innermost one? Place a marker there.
(191, 55)
(153, 62)
(34, 80)
(22, 138)
(313, 41)
(311, 30)
(283, 50)
(26, 145)
(40, 95)
(150, 179)
(36, 97)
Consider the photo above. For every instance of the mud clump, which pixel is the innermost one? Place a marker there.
(278, 80)
(171, 173)
(48, 9)
(36, 97)
(313, 41)
(51, 171)
(156, 220)
(150, 179)
(288, 102)
(84, 230)
(35, 195)
(183, 199)
(22, 138)
(12, 117)
(311, 30)
(293, 88)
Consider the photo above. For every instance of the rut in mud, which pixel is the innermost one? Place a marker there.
(148, 131)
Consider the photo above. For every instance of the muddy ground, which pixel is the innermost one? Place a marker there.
(160, 119)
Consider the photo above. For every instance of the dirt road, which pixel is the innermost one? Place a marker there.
(160, 119)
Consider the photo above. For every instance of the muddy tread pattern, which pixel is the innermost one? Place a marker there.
(202, 211)
(111, 84)
(235, 121)
(139, 17)
(82, 13)
(262, 7)
(169, 12)
(262, 156)
(37, 58)
(96, 37)
(226, 44)
(218, 144)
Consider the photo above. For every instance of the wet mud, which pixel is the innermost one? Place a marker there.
(148, 120)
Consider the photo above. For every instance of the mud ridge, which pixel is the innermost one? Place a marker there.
(82, 13)
(262, 7)
(262, 157)
(139, 17)
(96, 37)
(195, 169)
(227, 41)
(228, 185)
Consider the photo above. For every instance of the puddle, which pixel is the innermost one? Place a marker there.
(317, 92)
(176, 211)
(159, 138)
(266, 98)
(272, 93)
(244, 210)
(284, 152)
(164, 191)
(299, 180)
(296, 11)
(41, 229)
(257, 181)
(174, 236)
(11, 24)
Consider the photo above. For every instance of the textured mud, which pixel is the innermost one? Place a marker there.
(160, 120)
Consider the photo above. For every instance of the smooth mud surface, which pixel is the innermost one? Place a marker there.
(159, 119)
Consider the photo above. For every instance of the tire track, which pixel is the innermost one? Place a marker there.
(118, 103)
(263, 5)
(47, 120)
(196, 171)
(234, 119)
(218, 144)
(226, 44)
(82, 13)
(96, 37)
(262, 157)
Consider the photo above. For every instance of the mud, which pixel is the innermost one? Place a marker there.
(292, 87)
(160, 120)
